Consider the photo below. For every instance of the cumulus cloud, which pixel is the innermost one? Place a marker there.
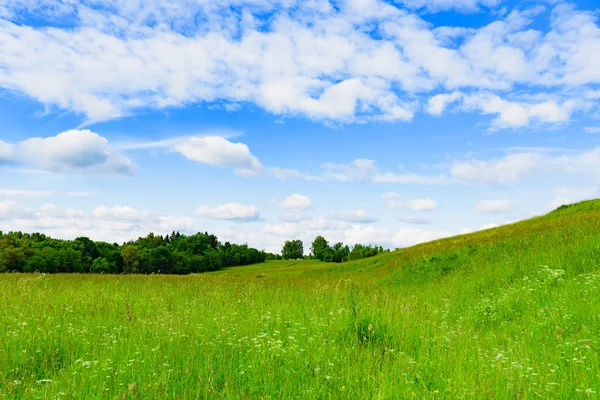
(356, 216)
(230, 212)
(425, 204)
(396, 200)
(357, 171)
(493, 206)
(11, 209)
(365, 170)
(403, 237)
(220, 152)
(508, 168)
(513, 167)
(296, 202)
(285, 174)
(315, 59)
(124, 213)
(414, 220)
(117, 224)
(293, 217)
(509, 113)
(73, 151)
(7, 153)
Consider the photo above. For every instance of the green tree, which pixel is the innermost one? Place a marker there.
(101, 266)
(319, 248)
(158, 260)
(36, 263)
(340, 252)
(12, 259)
(132, 259)
(292, 250)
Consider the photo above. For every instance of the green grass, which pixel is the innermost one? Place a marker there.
(507, 313)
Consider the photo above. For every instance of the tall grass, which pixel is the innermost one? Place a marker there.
(510, 313)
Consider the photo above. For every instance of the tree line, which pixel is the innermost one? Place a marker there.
(175, 253)
(171, 254)
(321, 250)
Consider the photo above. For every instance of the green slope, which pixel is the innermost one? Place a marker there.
(506, 313)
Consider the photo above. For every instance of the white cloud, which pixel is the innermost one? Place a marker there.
(392, 196)
(231, 212)
(493, 206)
(357, 216)
(396, 200)
(7, 153)
(365, 170)
(10, 209)
(309, 58)
(293, 217)
(510, 113)
(124, 213)
(592, 129)
(357, 171)
(403, 237)
(296, 202)
(425, 204)
(438, 103)
(286, 230)
(285, 174)
(74, 151)
(219, 152)
(508, 168)
(111, 226)
(415, 220)
(407, 178)
(52, 211)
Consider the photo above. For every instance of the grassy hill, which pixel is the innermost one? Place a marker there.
(511, 312)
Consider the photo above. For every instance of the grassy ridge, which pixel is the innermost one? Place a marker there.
(512, 312)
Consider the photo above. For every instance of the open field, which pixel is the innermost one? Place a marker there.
(512, 312)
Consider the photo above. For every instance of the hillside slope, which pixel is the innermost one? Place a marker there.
(506, 313)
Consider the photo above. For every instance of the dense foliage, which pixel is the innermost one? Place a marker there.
(339, 252)
(171, 254)
(293, 250)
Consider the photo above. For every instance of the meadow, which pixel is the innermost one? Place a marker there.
(505, 313)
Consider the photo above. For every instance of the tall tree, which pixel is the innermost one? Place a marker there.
(293, 250)
(319, 248)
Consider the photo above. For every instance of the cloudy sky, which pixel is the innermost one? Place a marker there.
(386, 122)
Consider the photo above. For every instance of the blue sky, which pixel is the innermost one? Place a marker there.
(383, 122)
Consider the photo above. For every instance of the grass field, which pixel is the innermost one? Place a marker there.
(507, 313)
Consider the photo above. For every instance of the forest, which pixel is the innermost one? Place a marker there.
(170, 254)
(174, 253)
